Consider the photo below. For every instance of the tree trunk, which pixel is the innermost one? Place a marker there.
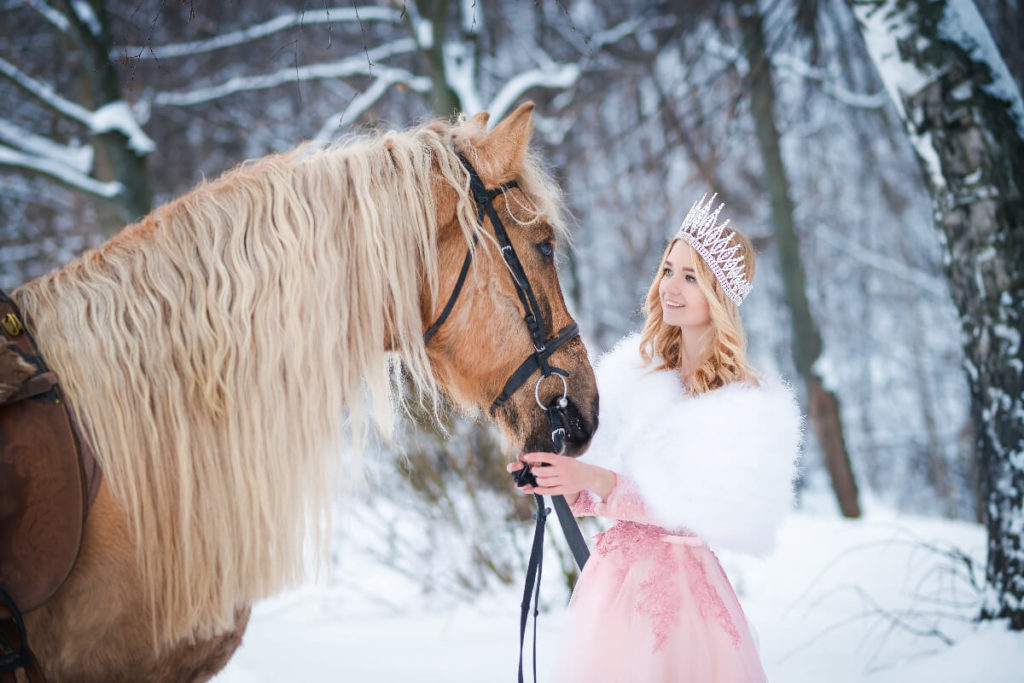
(129, 165)
(444, 99)
(964, 115)
(823, 405)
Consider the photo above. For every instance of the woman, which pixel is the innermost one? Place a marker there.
(694, 451)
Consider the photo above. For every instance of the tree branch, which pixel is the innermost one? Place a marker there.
(558, 76)
(54, 16)
(60, 172)
(77, 158)
(349, 66)
(257, 31)
(387, 77)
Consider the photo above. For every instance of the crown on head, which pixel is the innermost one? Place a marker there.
(714, 243)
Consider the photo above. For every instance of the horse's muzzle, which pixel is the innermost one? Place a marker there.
(579, 429)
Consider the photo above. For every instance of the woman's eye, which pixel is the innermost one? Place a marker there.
(690, 278)
(667, 272)
(546, 249)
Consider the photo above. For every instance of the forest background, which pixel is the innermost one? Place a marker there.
(111, 107)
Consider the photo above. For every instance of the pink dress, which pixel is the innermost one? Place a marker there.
(652, 605)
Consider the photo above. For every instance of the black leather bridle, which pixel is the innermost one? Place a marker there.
(543, 346)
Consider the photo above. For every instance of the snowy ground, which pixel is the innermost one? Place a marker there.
(880, 600)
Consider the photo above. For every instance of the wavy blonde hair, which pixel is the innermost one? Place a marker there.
(724, 358)
(212, 351)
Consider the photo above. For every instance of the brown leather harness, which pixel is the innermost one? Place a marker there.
(48, 480)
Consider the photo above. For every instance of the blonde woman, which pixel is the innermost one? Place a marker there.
(694, 451)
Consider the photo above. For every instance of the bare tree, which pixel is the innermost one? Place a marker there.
(822, 402)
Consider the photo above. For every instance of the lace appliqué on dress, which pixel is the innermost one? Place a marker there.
(660, 593)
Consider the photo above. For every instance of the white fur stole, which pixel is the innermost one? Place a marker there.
(720, 464)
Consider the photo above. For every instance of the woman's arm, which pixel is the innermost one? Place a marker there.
(590, 490)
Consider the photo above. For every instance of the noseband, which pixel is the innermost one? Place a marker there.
(543, 346)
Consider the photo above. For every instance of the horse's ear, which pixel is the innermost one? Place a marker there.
(505, 146)
(479, 120)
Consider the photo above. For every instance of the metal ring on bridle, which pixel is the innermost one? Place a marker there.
(536, 389)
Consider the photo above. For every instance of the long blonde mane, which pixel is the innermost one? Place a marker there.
(212, 350)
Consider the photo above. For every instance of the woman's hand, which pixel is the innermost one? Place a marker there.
(560, 475)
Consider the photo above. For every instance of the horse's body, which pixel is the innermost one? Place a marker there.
(210, 351)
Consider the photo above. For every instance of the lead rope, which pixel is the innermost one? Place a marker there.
(534, 566)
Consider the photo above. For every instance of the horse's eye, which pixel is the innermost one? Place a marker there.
(546, 249)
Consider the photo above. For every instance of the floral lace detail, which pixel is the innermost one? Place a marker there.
(660, 593)
(708, 600)
(624, 502)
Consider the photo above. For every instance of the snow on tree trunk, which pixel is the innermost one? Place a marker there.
(965, 119)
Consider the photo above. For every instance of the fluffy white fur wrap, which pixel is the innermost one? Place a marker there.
(720, 464)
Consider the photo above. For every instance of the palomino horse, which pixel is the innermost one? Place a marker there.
(212, 352)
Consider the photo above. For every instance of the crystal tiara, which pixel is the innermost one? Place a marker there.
(714, 244)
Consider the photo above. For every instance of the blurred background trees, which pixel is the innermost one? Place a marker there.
(111, 106)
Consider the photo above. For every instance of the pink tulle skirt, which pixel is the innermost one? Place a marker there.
(652, 607)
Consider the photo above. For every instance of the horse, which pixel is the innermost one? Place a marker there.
(221, 352)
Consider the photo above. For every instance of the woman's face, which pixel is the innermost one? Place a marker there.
(683, 304)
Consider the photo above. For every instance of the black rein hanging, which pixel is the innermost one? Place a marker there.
(543, 347)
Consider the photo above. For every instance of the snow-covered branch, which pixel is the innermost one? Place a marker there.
(557, 76)
(114, 116)
(802, 69)
(55, 17)
(45, 93)
(349, 66)
(59, 171)
(257, 31)
(459, 72)
(386, 77)
(78, 158)
(85, 14)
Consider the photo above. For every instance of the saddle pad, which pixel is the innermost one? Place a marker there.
(42, 501)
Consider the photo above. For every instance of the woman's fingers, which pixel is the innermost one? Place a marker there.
(539, 458)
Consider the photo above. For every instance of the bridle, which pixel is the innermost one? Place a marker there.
(543, 346)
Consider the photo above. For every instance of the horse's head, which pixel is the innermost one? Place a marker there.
(485, 339)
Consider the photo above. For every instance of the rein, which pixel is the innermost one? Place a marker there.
(543, 347)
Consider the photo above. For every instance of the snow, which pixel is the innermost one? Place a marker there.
(884, 27)
(53, 16)
(76, 157)
(886, 599)
(962, 24)
(557, 76)
(83, 11)
(118, 116)
(61, 171)
(459, 69)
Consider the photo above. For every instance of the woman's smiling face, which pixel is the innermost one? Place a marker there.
(683, 304)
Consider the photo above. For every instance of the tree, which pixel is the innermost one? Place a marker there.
(964, 116)
(822, 402)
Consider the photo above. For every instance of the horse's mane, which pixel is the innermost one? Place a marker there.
(212, 350)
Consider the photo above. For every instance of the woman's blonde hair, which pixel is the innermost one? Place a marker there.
(724, 358)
